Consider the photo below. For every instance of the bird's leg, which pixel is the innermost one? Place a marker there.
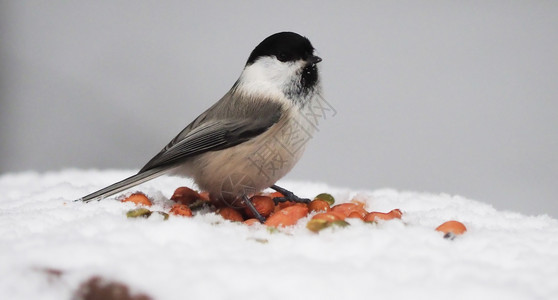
(253, 209)
(288, 196)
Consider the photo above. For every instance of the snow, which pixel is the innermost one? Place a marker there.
(503, 254)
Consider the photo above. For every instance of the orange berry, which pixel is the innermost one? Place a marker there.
(276, 195)
(356, 215)
(287, 216)
(454, 227)
(375, 216)
(181, 210)
(396, 213)
(231, 214)
(358, 202)
(204, 196)
(185, 195)
(282, 205)
(347, 208)
(263, 204)
(318, 205)
(138, 198)
(252, 221)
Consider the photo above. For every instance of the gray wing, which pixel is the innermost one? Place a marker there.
(231, 121)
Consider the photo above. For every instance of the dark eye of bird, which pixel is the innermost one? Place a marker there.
(282, 56)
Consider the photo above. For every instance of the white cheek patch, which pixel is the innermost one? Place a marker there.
(269, 76)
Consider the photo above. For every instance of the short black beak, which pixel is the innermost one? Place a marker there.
(312, 60)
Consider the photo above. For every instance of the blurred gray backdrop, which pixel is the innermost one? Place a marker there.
(457, 97)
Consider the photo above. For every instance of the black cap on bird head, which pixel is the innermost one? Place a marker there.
(285, 46)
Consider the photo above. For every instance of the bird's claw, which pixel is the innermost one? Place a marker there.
(253, 209)
(288, 196)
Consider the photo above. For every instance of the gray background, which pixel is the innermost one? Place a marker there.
(437, 96)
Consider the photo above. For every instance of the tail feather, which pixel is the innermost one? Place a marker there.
(123, 184)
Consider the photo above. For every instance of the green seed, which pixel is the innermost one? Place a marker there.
(326, 197)
(197, 205)
(164, 214)
(272, 230)
(316, 225)
(138, 212)
(340, 223)
(260, 240)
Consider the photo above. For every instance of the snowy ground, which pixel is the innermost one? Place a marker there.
(503, 255)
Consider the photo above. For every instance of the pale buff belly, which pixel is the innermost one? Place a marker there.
(254, 165)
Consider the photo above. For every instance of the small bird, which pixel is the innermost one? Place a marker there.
(252, 136)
